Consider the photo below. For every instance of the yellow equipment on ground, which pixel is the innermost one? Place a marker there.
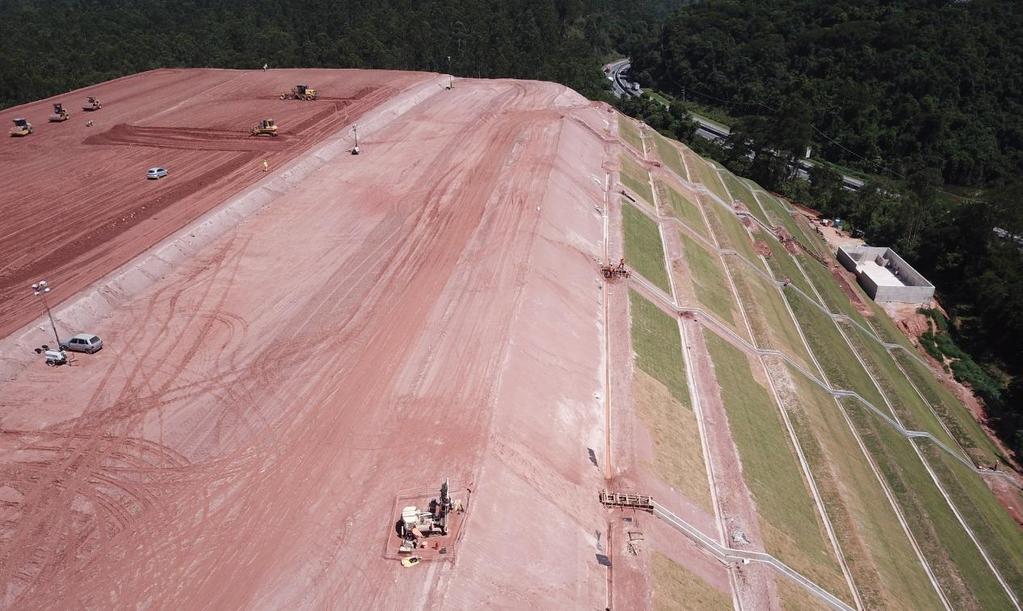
(301, 92)
(59, 114)
(21, 128)
(266, 127)
(92, 104)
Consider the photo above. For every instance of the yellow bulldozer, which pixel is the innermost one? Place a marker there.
(21, 128)
(59, 114)
(92, 104)
(301, 92)
(266, 127)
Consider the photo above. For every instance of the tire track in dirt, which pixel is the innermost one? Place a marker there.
(378, 298)
(87, 448)
(405, 272)
(101, 220)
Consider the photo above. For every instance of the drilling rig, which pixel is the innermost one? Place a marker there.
(417, 524)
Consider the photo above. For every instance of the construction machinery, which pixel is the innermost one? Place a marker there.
(266, 127)
(301, 92)
(92, 103)
(59, 114)
(21, 128)
(55, 358)
(610, 272)
(627, 501)
(417, 524)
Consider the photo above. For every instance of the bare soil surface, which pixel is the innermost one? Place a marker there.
(76, 200)
(429, 309)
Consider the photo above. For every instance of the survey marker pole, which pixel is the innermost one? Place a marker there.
(40, 289)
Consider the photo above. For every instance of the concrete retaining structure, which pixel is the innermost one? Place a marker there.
(884, 275)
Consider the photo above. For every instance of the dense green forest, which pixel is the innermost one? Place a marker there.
(885, 85)
(50, 46)
(923, 96)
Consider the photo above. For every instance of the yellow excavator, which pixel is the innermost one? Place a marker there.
(266, 127)
(301, 92)
(59, 114)
(92, 104)
(21, 128)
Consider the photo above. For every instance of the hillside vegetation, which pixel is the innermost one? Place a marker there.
(55, 45)
(922, 98)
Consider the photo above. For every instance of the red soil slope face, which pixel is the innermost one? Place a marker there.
(429, 309)
(76, 202)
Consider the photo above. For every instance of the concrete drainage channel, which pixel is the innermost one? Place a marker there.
(107, 294)
(726, 555)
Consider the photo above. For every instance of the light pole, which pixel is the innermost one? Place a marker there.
(451, 82)
(355, 130)
(40, 289)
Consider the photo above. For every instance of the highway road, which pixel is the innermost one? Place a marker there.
(620, 84)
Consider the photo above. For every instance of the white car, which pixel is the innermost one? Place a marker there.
(83, 342)
(155, 173)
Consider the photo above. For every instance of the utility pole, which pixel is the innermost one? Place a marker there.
(451, 83)
(40, 289)
(355, 130)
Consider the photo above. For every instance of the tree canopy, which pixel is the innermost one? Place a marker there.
(50, 46)
(886, 86)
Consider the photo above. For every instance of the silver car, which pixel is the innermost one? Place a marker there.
(155, 173)
(83, 342)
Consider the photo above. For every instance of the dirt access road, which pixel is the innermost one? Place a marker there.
(76, 203)
(428, 309)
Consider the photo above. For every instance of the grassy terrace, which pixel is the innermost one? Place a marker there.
(834, 297)
(643, 248)
(670, 156)
(730, 231)
(636, 179)
(783, 265)
(630, 133)
(675, 433)
(677, 588)
(685, 210)
(793, 597)
(956, 562)
(997, 532)
(658, 347)
(779, 215)
(768, 316)
(840, 365)
(709, 280)
(704, 173)
(914, 413)
(959, 421)
(885, 569)
(884, 327)
(662, 402)
(741, 192)
(790, 524)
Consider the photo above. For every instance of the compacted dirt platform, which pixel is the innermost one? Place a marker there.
(76, 202)
(429, 309)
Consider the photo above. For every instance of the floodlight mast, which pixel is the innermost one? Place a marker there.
(40, 289)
